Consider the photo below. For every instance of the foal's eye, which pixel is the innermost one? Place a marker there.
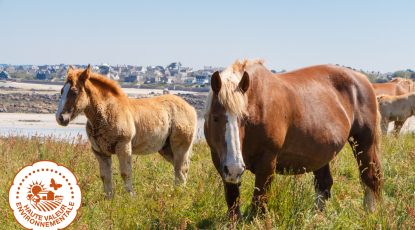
(215, 119)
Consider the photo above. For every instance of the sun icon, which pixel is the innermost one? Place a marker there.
(36, 187)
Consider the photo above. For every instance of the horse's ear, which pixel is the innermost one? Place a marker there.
(70, 68)
(216, 82)
(244, 83)
(85, 75)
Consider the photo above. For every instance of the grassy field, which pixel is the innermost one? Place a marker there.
(201, 204)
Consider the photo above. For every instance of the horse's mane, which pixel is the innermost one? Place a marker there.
(103, 83)
(230, 96)
(399, 80)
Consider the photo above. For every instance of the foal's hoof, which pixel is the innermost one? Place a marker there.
(132, 195)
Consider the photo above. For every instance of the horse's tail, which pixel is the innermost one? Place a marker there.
(377, 142)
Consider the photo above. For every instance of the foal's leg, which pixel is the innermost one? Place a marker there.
(264, 168)
(181, 145)
(369, 167)
(231, 190)
(323, 181)
(123, 151)
(399, 125)
(105, 170)
(384, 124)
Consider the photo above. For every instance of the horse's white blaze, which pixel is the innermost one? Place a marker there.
(234, 160)
(63, 101)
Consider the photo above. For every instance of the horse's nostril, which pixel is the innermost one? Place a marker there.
(225, 169)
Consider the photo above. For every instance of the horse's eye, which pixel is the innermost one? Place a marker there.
(74, 91)
(215, 119)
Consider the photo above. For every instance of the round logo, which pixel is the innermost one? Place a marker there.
(45, 195)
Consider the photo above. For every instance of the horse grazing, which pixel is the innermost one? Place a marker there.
(295, 121)
(397, 86)
(125, 126)
(395, 108)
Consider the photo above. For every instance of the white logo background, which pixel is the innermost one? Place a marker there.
(45, 195)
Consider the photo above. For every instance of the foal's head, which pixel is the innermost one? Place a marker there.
(225, 120)
(74, 99)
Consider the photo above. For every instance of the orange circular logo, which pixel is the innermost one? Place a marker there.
(45, 195)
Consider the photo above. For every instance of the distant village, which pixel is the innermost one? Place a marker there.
(174, 73)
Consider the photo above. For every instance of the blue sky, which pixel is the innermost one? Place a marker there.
(369, 35)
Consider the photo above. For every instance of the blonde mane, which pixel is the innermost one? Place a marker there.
(230, 96)
(104, 84)
(399, 80)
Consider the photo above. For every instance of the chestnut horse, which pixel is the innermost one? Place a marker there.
(397, 86)
(296, 122)
(125, 126)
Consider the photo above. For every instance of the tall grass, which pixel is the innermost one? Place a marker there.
(201, 204)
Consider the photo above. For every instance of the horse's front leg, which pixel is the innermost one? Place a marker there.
(124, 154)
(264, 174)
(105, 171)
(231, 190)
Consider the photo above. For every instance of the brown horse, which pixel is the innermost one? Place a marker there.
(295, 121)
(397, 86)
(125, 126)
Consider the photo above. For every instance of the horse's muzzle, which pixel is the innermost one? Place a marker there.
(233, 174)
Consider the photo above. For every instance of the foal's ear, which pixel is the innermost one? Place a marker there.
(244, 83)
(69, 69)
(216, 82)
(85, 75)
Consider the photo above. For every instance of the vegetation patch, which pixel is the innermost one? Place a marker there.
(201, 204)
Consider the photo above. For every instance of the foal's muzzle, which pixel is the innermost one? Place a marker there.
(63, 119)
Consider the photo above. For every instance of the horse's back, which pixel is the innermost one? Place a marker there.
(317, 106)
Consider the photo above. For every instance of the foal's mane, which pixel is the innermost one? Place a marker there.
(230, 96)
(102, 83)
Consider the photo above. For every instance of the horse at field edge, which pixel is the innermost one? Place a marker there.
(395, 108)
(298, 120)
(397, 86)
(124, 126)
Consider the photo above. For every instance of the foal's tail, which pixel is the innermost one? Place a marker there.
(376, 142)
(194, 135)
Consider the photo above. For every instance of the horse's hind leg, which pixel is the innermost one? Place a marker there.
(105, 171)
(323, 181)
(366, 152)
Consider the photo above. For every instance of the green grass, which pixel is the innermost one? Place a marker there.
(201, 204)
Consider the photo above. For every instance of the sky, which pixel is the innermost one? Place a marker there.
(363, 34)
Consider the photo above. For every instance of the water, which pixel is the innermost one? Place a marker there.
(66, 133)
